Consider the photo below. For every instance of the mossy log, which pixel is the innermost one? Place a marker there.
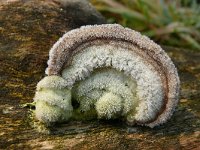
(28, 29)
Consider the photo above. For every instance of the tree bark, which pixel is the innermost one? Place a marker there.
(28, 29)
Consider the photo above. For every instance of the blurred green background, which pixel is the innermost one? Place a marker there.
(168, 22)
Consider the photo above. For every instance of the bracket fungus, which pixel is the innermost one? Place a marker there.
(107, 71)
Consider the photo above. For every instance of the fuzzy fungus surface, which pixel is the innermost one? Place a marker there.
(110, 72)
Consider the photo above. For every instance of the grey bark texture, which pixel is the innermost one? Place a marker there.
(28, 29)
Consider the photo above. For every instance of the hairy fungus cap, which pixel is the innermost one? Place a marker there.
(95, 60)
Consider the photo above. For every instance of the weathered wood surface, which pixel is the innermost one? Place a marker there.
(28, 28)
